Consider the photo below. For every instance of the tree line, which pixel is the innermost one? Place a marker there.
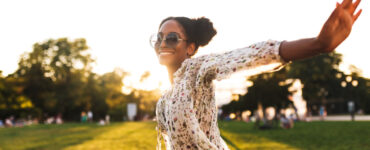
(56, 78)
(323, 84)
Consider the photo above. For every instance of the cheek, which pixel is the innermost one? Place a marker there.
(181, 55)
(181, 49)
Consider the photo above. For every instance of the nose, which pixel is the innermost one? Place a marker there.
(162, 44)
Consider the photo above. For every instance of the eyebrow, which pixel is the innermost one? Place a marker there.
(181, 36)
(169, 32)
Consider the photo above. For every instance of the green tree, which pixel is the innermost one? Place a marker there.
(12, 101)
(55, 74)
(268, 89)
(111, 85)
(320, 76)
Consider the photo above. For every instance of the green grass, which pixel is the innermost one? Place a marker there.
(311, 135)
(142, 136)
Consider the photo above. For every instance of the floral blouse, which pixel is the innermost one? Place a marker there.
(187, 113)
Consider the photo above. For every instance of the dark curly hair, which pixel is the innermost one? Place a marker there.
(199, 31)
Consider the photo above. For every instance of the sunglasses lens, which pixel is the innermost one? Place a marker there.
(155, 40)
(172, 40)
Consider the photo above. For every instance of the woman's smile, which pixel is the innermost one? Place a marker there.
(166, 52)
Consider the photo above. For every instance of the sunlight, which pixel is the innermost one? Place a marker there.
(118, 35)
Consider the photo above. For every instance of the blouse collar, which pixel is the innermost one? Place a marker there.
(181, 71)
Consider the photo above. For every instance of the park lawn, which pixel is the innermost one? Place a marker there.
(304, 135)
(142, 136)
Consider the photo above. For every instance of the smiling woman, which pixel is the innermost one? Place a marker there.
(171, 45)
(186, 113)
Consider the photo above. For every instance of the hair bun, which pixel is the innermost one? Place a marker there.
(203, 31)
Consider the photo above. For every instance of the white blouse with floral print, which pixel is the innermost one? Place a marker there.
(187, 113)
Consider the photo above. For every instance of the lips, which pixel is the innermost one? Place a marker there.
(166, 52)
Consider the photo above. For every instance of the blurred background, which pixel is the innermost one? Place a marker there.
(90, 61)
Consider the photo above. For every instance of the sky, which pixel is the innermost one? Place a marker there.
(118, 32)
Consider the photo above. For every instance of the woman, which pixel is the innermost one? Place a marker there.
(186, 113)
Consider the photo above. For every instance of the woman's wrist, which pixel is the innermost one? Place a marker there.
(321, 46)
(302, 48)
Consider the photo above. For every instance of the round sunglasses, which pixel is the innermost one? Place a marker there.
(171, 40)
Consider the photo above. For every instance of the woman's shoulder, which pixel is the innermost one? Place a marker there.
(189, 67)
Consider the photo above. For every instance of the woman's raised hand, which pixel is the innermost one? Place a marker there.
(338, 26)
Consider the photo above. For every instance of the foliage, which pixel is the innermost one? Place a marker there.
(322, 85)
(319, 75)
(56, 78)
(268, 89)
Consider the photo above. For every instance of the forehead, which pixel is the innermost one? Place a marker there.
(171, 26)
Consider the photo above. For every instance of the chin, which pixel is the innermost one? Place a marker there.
(164, 61)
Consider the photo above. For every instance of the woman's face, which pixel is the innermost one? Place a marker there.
(172, 56)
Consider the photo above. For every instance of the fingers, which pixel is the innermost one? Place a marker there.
(349, 6)
(356, 4)
(346, 3)
(356, 15)
(353, 7)
(338, 4)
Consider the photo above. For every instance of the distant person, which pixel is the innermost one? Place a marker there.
(322, 112)
(258, 118)
(351, 109)
(58, 119)
(107, 119)
(266, 124)
(286, 123)
(50, 120)
(83, 117)
(187, 113)
(1, 123)
(90, 116)
(8, 122)
(101, 122)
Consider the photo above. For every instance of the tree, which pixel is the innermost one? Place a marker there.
(56, 78)
(268, 89)
(319, 76)
(12, 101)
(55, 73)
(111, 86)
(146, 100)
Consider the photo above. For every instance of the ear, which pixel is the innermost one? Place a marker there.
(190, 49)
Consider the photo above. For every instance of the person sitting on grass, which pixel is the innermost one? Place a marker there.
(286, 123)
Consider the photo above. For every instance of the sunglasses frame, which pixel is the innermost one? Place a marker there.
(155, 46)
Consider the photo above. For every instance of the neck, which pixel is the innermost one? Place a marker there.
(172, 69)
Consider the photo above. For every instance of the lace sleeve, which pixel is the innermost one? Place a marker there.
(221, 66)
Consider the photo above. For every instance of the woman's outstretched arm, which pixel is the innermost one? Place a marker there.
(335, 30)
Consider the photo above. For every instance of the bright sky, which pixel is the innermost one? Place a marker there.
(118, 31)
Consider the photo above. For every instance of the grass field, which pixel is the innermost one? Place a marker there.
(142, 136)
